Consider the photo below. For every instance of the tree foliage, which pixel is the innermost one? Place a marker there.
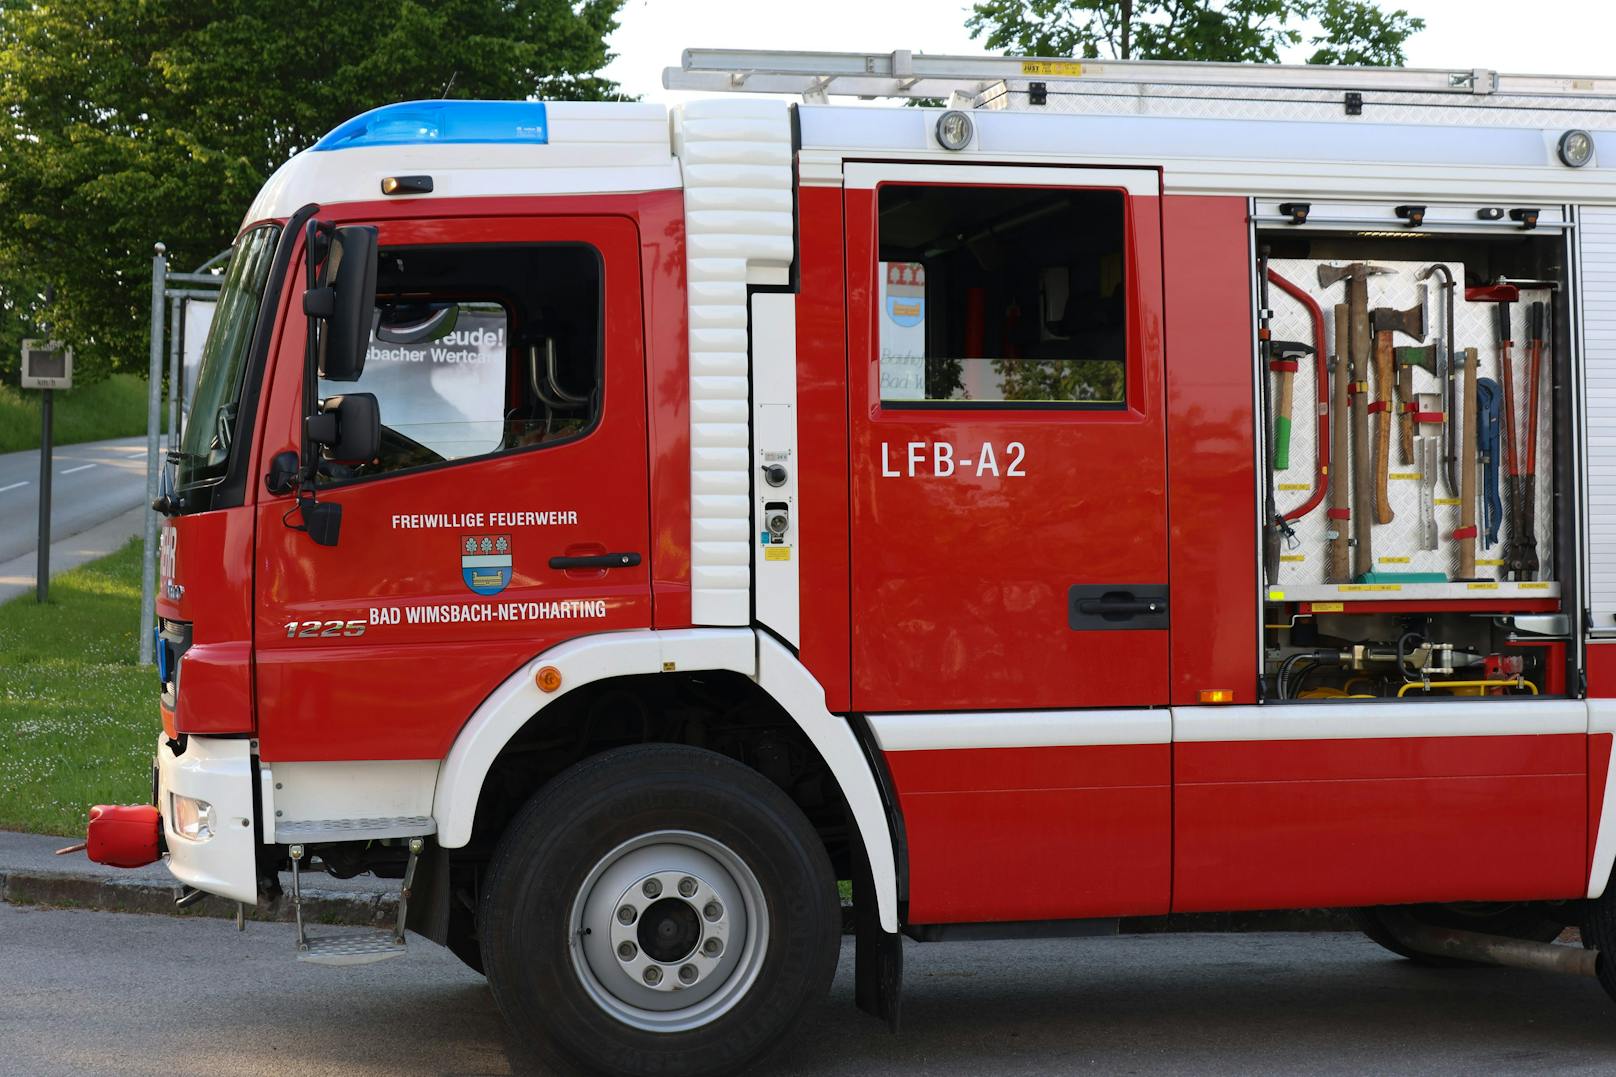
(124, 122)
(1341, 31)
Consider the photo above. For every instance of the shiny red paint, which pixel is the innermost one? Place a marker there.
(1036, 833)
(962, 581)
(1600, 665)
(403, 691)
(825, 604)
(1599, 747)
(1212, 508)
(211, 587)
(1278, 824)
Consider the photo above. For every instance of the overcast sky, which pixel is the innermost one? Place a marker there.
(1570, 37)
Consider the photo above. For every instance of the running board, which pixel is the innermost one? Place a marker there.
(321, 831)
(355, 949)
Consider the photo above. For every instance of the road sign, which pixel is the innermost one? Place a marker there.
(46, 364)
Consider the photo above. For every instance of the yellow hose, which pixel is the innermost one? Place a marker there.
(1517, 682)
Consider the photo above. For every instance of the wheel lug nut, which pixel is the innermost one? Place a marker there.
(653, 975)
(652, 888)
(627, 915)
(687, 887)
(713, 910)
(688, 974)
(627, 950)
(713, 946)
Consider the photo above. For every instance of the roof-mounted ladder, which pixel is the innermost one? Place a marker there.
(819, 75)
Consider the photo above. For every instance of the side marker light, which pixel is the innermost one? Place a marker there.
(548, 678)
(407, 185)
(1217, 695)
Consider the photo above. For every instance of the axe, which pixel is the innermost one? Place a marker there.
(1426, 358)
(1386, 321)
(1353, 357)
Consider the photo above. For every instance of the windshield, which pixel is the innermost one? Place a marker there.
(205, 445)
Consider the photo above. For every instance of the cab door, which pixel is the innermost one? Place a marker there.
(507, 510)
(1009, 530)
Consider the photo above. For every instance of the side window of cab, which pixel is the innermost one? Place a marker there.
(479, 350)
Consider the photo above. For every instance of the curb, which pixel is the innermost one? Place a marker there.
(321, 906)
(67, 890)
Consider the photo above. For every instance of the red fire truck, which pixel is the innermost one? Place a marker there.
(620, 523)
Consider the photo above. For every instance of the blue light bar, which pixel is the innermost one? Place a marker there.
(424, 123)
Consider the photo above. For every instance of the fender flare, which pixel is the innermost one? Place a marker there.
(594, 658)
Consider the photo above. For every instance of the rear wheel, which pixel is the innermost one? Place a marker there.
(1513, 920)
(658, 909)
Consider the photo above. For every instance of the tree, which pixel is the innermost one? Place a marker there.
(124, 123)
(1348, 31)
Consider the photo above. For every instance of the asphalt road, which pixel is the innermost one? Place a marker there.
(107, 993)
(90, 483)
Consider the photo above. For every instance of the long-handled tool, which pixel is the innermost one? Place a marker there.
(1526, 546)
(1340, 511)
(1359, 340)
(1465, 533)
(1446, 357)
(1504, 295)
(1488, 437)
(1386, 322)
(1426, 453)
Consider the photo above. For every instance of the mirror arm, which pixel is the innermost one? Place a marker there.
(320, 522)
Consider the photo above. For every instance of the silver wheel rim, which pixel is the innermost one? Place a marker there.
(668, 931)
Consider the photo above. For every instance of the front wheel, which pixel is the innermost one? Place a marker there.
(658, 909)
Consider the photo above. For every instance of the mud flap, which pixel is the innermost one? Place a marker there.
(877, 955)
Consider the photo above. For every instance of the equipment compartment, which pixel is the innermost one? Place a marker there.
(1414, 549)
(1415, 603)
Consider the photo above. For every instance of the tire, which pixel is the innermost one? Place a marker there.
(669, 858)
(1599, 933)
(1511, 919)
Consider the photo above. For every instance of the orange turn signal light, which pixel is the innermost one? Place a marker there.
(548, 678)
(1217, 695)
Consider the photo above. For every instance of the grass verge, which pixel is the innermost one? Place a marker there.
(78, 716)
(112, 408)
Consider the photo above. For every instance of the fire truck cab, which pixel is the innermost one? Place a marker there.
(621, 523)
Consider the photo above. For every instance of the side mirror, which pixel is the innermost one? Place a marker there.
(347, 428)
(344, 301)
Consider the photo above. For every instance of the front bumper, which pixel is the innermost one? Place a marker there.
(219, 771)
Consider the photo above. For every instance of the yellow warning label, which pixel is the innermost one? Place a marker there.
(1328, 607)
(1296, 558)
(1488, 561)
(777, 553)
(1534, 587)
(1444, 501)
(1481, 587)
(1348, 588)
(1301, 486)
(1405, 476)
(1276, 596)
(1392, 560)
(1051, 67)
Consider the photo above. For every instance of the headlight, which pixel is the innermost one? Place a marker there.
(1576, 148)
(192, 818)
(954, 130)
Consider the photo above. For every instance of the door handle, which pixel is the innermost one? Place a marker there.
(1119, 607)
(597, 560)
(1101, 607)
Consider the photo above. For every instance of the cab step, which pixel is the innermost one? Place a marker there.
(352, 949)
(358, 949)
(317, 831)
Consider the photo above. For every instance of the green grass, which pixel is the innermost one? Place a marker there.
(113, 408)
(78, 717)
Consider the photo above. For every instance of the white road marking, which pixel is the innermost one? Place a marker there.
(13, 486)
(81, 467)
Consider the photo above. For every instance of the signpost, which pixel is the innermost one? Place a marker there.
(47, 365)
